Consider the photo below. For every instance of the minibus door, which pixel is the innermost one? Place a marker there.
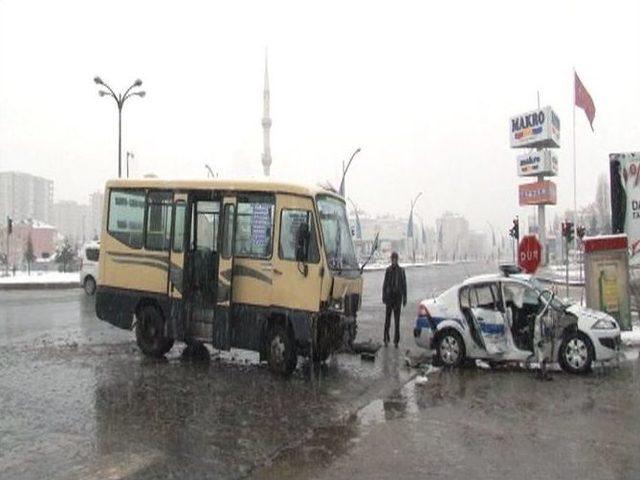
(224, 301)
(176, 281)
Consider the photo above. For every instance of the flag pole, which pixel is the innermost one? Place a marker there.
(575, 183)
(575, 201)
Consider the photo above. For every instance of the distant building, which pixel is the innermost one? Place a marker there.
(96, 200)
(43, 239)
(452, 232)
(24, 196)
(73, 220)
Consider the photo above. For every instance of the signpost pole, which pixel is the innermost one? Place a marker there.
(566, 263)
(542, 233)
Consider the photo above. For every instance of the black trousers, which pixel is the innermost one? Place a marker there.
(387, 322)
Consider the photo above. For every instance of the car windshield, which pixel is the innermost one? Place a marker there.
(540, 287)
(338, 244)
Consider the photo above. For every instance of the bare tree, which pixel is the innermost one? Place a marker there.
(29, 256)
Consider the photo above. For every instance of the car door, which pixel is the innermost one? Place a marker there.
(224, 298)
(488, 311)
(296, 282)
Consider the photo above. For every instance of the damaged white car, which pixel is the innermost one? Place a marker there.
(493, 318)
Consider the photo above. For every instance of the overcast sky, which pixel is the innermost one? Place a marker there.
(426, 90)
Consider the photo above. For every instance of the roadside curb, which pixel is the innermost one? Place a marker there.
(39, 286)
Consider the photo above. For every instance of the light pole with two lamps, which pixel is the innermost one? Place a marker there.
(120, 99)
(345, 169)
(410, 230)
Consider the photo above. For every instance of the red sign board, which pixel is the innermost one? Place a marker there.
(538, 193)
(529, 253)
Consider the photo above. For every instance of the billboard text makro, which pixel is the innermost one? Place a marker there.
(541, 162)
(536, 129)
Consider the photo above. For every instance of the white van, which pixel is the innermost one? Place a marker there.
(89, 256)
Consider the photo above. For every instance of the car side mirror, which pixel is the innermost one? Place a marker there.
(302, 243)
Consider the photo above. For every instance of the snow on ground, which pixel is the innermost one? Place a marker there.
(41, 277)
(632, 337)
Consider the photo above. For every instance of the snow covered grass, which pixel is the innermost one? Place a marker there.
(40, 277)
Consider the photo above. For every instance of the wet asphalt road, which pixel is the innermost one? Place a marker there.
(77, 400)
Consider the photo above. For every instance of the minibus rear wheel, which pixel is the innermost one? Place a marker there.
(150, 332)
(281, 350)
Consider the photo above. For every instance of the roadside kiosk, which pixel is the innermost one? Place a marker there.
(606, 261)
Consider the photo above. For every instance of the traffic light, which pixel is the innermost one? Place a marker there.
(567, 231)
(515, 229)
(581, 231)
(9, 226)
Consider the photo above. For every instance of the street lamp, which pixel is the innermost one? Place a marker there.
(129, 155)
(344, 170)
(410, 232)
(209, 171)
(120, 99)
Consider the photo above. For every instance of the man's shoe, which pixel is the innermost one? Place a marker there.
(396, 344)
(386, 343)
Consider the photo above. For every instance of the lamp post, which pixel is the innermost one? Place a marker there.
(129, 155)
(209, 171)
(413, 244)
(346, 169)
(120, 99)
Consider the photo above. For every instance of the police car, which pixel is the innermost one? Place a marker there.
(492, 317)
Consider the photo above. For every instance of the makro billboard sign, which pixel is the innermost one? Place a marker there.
(538, 193)
(536, 129)
(541, 162)
(624, 169)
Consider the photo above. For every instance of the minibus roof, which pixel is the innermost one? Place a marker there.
(220, 184)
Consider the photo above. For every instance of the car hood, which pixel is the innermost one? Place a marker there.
(588, 316)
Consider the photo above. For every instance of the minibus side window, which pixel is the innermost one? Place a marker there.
(126, 216)
(227, 241)
(178, 228)
(290, 222)
(254, 231)
(158, 221)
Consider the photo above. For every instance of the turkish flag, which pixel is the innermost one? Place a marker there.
(584, 100)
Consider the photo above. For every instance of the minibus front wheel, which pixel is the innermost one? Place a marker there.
(281, 350)
(150, 331)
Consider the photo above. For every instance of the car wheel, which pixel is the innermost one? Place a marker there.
(150, 332)
(281, 351)
(576, 353)
(196, 352)
(450, 350)
(89, 285)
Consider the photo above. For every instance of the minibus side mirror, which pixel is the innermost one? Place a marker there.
(374, 248)
(302, 243)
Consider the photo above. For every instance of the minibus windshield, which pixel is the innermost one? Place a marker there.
(338, 244)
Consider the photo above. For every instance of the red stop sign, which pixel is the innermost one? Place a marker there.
(529, 253)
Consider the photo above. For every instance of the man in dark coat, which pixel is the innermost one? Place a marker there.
(394, 294)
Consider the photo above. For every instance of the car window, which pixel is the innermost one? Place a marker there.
(486, 296)
(92, 254)
(465, 301)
